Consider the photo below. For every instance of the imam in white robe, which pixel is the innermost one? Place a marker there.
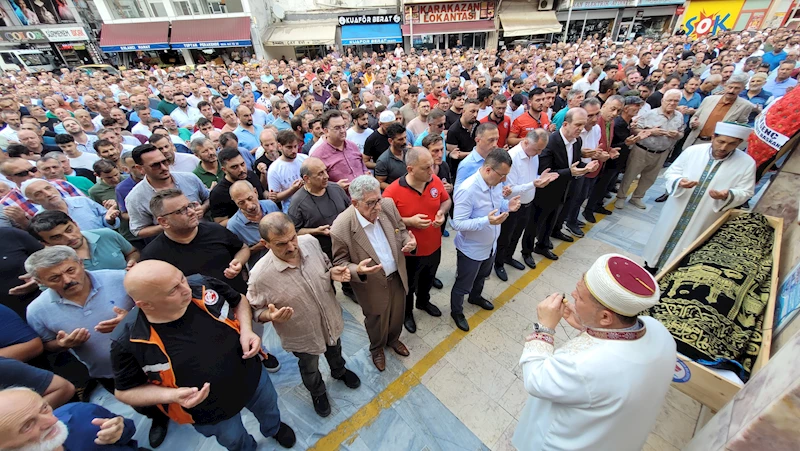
(595, 394)
(736, 174)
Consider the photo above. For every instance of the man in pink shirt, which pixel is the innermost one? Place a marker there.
(341, 157)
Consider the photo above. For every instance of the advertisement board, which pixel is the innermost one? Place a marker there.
(704, 18)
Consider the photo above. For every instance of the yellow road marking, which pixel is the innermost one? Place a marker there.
(346, 431)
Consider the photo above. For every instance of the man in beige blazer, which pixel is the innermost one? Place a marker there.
(370, 239)
(739, 111)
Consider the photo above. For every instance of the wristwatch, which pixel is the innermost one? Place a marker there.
(539, 328)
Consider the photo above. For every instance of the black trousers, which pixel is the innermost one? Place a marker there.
(309, 368)
(605, 181)
(540, 226)
(470, 277)
(421, 271)
(151, 412)
(510, 233)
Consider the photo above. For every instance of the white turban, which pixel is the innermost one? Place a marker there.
(732, 130)
(24, 186)
(621, 285)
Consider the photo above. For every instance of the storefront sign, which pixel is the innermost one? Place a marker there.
(606, 4)
(65, 34)
(450, 12)
(212, 45)
(365, 19)
(755, 21)
(704, 18)
(679, 10)
(134, 47)
(22, 36)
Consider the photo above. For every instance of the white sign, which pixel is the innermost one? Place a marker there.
(773, 138)
(65, 34)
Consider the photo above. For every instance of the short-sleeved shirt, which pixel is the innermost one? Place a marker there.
(503, 128)
(201, 349)
(390, 166)
(248, 139)
(220, 203)
(375, 145)
(247, 230)
(13, 329)
(107, 249)
(138, 200)
(342, 164)
(463, 138)
(50, 313)
(308, 211)
(15, 246)
(527, 123)
(88, 214)
(410, 202)
(206, 177)
(209, 253)
(100, 193)
(122, 190)
(450, 118)
(14, 373)
(282, 174)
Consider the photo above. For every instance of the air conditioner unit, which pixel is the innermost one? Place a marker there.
(545, 5)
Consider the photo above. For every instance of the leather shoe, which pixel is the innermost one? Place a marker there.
(410, 324)
(562, 236)
(516, 264)
(158, 431)
(589, 216)
(580, 223)
(400, 348)
(482, 302)
(501, 273)
(550, 245)
(350, 379)
(437, 284)
(379, 359)
(461, 322)
(528, 259)
(285, 436)
(431, 309)
(321, 405)
(662, 198)
(604, 211)
(546, 253)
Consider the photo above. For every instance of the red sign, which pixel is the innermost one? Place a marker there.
(679, 10)
(450, 12)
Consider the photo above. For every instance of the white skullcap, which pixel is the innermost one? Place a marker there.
(732, 130)
(621, 285)
(24, 186)
(387, 117)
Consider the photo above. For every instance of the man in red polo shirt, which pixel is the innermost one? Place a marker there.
(433, 97)
(423, 204)
(531, 120)
(499, 118)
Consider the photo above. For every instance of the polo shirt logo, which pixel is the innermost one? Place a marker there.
(210, 297)
(434, 193)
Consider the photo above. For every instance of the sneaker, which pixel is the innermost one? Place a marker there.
(575, 231)
(285, 436)
(271, 363)
(446, 234)
(638, 203)
(619, 204)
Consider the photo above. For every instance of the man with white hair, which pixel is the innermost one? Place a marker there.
(88, 214)
(726, 107)
(665, 126)
(30, 424)
(701, 190)
(604, 388)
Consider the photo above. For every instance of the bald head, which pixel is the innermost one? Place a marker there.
(147, 278)
(240, 187)
(27, 421)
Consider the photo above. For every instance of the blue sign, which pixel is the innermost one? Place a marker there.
(211, 45)
(134, 47)
(371, 34)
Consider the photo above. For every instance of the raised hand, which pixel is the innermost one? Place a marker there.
(108, 325)
(279, 315)
(111, 430)
(189, 397)
(719, 195)
(233, 269)
(362, 267)
(323, 230)
(76, 338)
(340, 274)
(686, 183)
(495, 219)
(419, 221)
(439, 219)
(514, 203)
(411, 244)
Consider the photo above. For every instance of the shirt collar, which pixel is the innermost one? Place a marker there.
(567, 142)
(362, 220)
(281, 265)
(96, 286)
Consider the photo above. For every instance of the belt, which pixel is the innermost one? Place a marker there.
(651, 150)
(704, 138)
(392, 276)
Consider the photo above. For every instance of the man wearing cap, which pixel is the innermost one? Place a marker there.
(603, 389)
(705, 181)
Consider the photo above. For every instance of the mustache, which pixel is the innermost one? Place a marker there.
(70, 285)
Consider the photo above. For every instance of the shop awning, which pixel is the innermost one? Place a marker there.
(474, 26)
(525, 22)
(384, 33)
(210, 33)
(302, 33)
(130, 37)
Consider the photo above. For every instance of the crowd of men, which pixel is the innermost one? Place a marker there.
(227, 197)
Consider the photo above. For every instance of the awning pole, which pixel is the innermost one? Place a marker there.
(569, 16)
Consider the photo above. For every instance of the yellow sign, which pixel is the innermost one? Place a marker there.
(704, 18)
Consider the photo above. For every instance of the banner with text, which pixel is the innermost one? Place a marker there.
(705, 18)
(449, 12)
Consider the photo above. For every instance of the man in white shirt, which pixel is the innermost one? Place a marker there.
(589, 82)
(360, 130)
(178, 162)
(283, 175)
(185, 116)
(13, 121)
(141, 127)
(77, 159)
(84, 141)
(524, 178)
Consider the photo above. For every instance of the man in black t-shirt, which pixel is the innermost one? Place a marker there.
(233, 165)
(377, 143)
(188, 349)
(195, 247)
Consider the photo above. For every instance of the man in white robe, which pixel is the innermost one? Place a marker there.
(705, 181)
(602, 390)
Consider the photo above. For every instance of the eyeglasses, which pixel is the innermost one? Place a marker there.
(499, 173)
(338, 128)
(183, 210)
(372, 203)
(25, 172)
(158, 164)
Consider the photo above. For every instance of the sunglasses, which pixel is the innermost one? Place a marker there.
(25, 172)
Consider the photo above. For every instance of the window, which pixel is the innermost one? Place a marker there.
(157, 8)
(9, 58)
(33, 59)
(126, 9)
(191, 7)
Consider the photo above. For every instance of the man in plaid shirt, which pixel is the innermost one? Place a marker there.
(15, 205)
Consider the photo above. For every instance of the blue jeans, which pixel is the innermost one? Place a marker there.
(231, 433)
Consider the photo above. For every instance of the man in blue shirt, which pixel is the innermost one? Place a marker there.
(247, 132)
(776, 56)
(486, 137)
(244, 223)
(479, 210)
(85, 212)
(783, 80)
